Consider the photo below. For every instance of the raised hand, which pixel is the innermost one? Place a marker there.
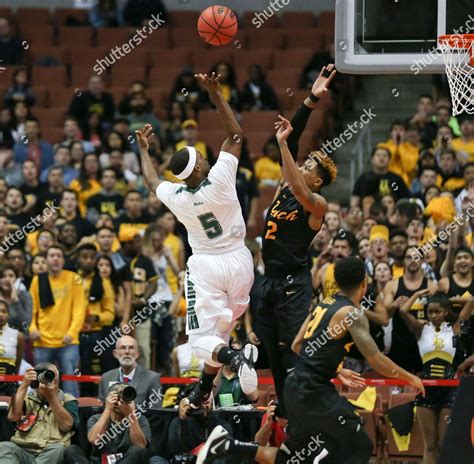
(321, 84)
(283, 128)
(142, 136)
(211, 84)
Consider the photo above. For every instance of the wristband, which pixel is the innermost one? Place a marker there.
(313, 98)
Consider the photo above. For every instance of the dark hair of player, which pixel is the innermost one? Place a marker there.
(349, 273)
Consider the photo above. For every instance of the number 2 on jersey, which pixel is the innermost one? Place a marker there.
(271, 231)
(317, 315)
(211, 225)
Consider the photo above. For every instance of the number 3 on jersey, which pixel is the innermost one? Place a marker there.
(317, 315)
(272, 228)
(211, 225)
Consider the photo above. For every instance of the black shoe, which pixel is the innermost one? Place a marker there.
(243, 364)
(197, 397)
(216, 446)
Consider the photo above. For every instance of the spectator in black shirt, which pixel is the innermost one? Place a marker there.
(134, 213)
(70, 212)
(31, 187)
(20, 89)
(11, 50)
(67, 237)
(93, 100)
(186, 89)
(108, 201)
(135, 87)
(372, 186)
(247, 193)
(54, 189)
(423, 119)
(427, 178)
(14, 203)
(138, 12)
(257, 93)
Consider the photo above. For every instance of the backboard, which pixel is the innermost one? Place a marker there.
(397, 36)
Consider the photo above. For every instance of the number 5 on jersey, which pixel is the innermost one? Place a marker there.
(211, 225)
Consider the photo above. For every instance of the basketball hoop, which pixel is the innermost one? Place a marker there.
(458, 56)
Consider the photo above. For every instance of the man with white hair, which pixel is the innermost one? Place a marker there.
(145, 381)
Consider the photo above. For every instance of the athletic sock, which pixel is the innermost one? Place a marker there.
(226, 355)
(241, 448)
(206, 382)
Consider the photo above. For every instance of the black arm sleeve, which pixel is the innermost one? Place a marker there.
(299, 121)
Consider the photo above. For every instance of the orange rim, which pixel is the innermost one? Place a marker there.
(457, 40)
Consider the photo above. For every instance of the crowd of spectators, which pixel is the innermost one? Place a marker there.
(86, 249)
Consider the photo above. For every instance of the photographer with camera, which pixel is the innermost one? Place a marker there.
(121, 433)
(145, 381)
(190, 430)
(46, 419)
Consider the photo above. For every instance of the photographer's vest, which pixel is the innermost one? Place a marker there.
(45, 431)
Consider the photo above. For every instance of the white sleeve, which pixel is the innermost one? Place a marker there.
(224, 172)
(166, 191)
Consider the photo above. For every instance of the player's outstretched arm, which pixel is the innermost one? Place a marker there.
(365, 343)
(303, 113)
(233, 142)
(312, 202)
(151, 177)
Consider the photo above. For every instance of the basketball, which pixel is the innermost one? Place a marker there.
(217, 25)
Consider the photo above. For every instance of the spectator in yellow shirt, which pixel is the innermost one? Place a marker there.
(465, 143)
(404, 159)
(190, 133)
(88, 182)
(167, 221)
(267, 168)
(100, 312)
(59, 310)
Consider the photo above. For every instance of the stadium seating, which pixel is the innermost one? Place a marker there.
(111, 37)
(37, 35)
(297, 19)
(72, 36)
(55, 76)
(176, 57)
(45, 53)
(26, 15)
(64, 16)
(242, 59)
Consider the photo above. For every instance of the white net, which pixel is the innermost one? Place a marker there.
(459, 59)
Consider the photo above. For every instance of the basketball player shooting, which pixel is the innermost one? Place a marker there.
(220, 272)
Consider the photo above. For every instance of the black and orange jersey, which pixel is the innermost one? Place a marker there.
(320, 353)
(286, 236)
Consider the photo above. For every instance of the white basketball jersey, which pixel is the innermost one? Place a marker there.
(211, 211)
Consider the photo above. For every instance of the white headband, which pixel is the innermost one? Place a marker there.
(186, 172)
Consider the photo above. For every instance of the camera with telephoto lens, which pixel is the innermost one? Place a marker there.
(127, 394)
(44, 376)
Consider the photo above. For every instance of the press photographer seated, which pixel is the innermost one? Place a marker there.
(46, 419)
(120, 433)
(188, 431)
